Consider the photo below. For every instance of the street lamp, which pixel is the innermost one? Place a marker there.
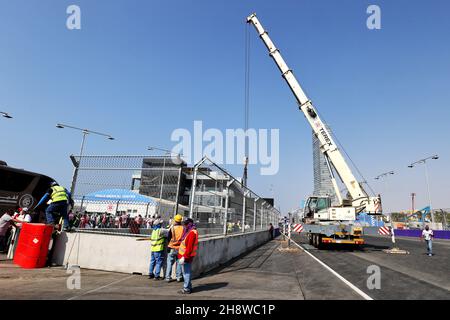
(85, 133)
(424, 161)
(5, 115)
(165, 150)
(384, 175)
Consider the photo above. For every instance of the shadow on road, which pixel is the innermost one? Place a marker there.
(373, 247)
(245, 260)
(210, 286)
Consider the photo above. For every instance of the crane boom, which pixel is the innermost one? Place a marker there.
(328, 147)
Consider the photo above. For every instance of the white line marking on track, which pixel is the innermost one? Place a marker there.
(348, 283)
(100, 288)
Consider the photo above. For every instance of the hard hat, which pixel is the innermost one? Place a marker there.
(178, 218)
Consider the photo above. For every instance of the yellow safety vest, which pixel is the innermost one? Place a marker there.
(182, 249)
(177, 233)
(157, 241)
(59, 194)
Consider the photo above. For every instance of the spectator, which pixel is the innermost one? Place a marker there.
(24, 216)
(83, 222)
(104, 222)
(124, 220)
(271, 231)
(427, 235)
(6, 221)
(175, 233)
(139, 220)
(158, 243)
(16, 213)
(134, 226)
(187, 252)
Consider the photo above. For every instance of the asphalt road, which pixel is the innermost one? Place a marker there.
(411, 276)
(272, 271)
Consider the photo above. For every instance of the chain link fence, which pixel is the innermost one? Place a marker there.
(124, 193)
(221, 204)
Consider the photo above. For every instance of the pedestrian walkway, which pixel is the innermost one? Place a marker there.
(271, 271)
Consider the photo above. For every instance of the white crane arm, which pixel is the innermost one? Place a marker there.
(327, 145)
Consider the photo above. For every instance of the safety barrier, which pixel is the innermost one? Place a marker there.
(119, 253)
(416, 233)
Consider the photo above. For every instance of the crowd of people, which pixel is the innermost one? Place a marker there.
(96, 220)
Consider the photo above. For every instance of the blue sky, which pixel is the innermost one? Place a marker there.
(140, 69)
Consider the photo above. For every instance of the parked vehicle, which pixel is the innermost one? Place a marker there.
(20, 188)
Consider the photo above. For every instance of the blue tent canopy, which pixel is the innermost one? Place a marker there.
(122, 195)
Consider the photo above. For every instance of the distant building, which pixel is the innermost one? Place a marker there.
(322, 178)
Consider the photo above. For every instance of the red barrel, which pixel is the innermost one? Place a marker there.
(32, 246)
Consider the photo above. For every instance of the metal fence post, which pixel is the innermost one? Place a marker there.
(117, 206)
(261, 215)
(225, 214)
(244, 210)
(76, 165)
(146, 210)
(289, 229)
(194, 185)
(254, 214)
(162, 186)
(177, 197)
(81, 207)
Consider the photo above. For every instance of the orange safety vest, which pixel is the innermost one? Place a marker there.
(182, 249)
(177, 233)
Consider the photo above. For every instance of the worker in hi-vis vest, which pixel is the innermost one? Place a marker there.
(60, 200)
(158, 241)
(187, 252)
(175, 234)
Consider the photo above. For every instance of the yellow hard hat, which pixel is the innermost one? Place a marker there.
(178, 218)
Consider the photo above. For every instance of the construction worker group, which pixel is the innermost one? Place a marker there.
(181, 239)
(178, 242)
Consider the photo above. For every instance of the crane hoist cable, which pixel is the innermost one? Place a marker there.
(247, 78)
(246, 98)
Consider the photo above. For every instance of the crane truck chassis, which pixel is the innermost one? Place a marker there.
(324, 222)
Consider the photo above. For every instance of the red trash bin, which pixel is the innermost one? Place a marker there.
(32, 245)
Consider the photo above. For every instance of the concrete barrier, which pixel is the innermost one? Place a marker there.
(120, 253)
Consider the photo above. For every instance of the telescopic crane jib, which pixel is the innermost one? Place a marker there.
(358, 197)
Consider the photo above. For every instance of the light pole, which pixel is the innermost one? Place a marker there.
(5, 115)
(384, 175)
(413, 195)
(85, 133)
(424, 161)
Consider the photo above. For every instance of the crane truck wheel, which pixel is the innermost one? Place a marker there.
(319, 242)
(310, 237)
(315, 240)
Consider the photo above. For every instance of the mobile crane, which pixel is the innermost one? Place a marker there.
(324, 222)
